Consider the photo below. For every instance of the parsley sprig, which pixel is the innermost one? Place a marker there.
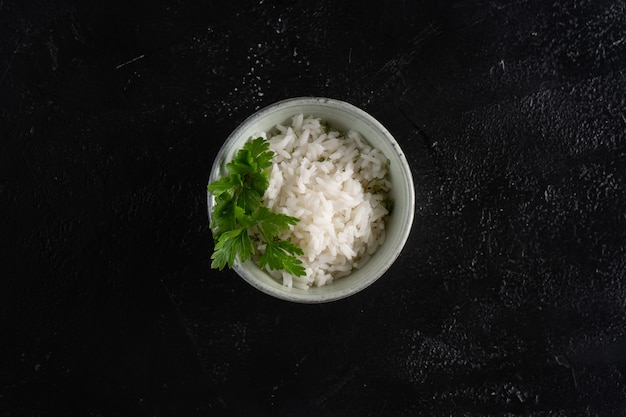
(239, 216)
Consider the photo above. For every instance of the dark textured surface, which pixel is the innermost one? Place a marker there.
(509, 300)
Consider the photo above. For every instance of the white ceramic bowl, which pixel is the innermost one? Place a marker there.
(343, 116)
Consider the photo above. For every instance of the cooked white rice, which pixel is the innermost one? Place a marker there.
(335, 184)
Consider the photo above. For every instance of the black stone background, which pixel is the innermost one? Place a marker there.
(508, 300)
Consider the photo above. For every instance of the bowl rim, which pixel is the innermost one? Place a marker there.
(286, 293)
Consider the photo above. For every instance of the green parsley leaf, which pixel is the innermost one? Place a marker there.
(224, 185)
(271, 223)
(238, 214)
(259, 182)
(249, 199)
(230, 244)
(279, 255)
(223, 217)
(259, 150)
